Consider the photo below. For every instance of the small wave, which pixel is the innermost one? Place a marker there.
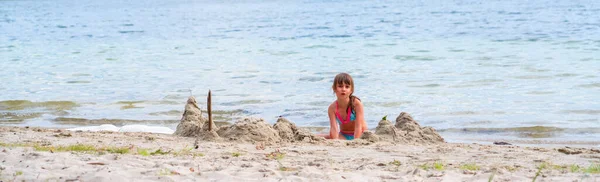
(588, 111)
(456, 50)
(312, 79)
(337, 36)
(530, 69)
(498, 130)
(135, 104)
(283, 53)
(301, 109)
(532, 77)
(78, 81)
(318, 103)
(426, 86)
(241, 77)
(326, 73)
(316, 28)
(246, 102)
(268, 82)
(131, 31)
(525, 132)
(414, 58)
(14, 117)
(566, 75)
(80, 74)
(540, 92)
(167, 113)
(487, 81)
(421, 51)
(389, 104)
(592, 85)
(319, 47)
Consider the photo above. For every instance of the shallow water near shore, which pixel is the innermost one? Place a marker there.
(506, 70)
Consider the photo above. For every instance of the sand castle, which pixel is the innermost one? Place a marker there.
(256, 130)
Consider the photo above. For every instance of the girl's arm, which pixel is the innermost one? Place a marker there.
(358, 124)
(333, 127)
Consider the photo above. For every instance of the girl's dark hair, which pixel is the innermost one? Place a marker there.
(345, 78)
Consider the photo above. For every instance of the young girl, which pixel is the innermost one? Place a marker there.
(346, 114)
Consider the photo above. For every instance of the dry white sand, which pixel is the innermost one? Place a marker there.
(332, 160)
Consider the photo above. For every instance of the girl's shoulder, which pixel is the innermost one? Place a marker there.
(332, 105)
(357, 100)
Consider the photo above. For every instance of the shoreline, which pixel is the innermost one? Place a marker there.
(453, 137)
(56, 154)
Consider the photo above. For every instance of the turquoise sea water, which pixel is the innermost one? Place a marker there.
(524, 70)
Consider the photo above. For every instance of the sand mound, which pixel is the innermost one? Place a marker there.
(290, 133)
(210, 136)
(192, 120)
(370, 136)
(250, 130)
(387, 130)
(407, 130)
(413, 132)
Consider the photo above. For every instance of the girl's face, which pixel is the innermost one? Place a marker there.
(343, 90)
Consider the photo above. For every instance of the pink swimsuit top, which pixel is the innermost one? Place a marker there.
(349, 117)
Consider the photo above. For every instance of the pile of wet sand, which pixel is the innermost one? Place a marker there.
(406, 131)
(252, 130)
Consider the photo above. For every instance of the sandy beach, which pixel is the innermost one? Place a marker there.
(40, 154)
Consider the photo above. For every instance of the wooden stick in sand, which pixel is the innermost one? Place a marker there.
(210, 122)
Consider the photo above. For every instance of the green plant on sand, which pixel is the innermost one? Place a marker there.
(469, 167)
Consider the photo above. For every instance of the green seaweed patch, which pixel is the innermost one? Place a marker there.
(437, 165)
(160, 152)
(143, 152)
(593, 169)
(537, 135)
(574, 168)
(70, 148)
(236, 154)
(277, 155)
(188, 151)
(129, 104)
(25, 104)
(396, 163)
(470, 167)
(424, 167)
(118, 150)
(13, 145)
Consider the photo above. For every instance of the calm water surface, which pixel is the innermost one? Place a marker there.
(523, 70)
